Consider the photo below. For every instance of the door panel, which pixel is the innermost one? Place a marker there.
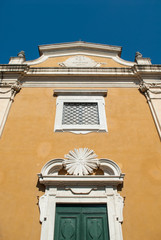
(81, 222)
(94, 228)
(67, 226)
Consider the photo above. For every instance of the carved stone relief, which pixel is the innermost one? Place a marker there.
(80, 61)
(81, 161)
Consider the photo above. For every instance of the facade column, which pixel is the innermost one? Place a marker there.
(7, 94)
(152, 92)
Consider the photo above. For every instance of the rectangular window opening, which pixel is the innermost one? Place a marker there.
(80, 113)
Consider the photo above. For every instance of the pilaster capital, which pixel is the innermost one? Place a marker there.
(154, 88)
(143, 87)
(16, 87)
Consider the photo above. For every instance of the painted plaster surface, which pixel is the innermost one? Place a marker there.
(28, 142)
(55, 61)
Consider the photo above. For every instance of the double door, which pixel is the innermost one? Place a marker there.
(81, 222)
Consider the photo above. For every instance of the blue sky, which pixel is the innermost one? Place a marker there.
(134, 25)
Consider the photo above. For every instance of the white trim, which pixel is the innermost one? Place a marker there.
(83, 92)
(81, 81)
(123, 62)
(95, 54)
(59, 127)
(152, 91)
(87, 180)
(81, 191)
(80, 71)
(80, 48)
(78, 84)
(7, 96)
(69, 45)
(36, 61)
(155, 113)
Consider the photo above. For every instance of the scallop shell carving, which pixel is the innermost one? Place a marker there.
(81, 161)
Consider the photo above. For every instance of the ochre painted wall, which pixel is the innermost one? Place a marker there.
(54, 62)
(28, 142)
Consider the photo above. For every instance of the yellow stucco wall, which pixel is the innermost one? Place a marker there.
(54, 62)
(28, 142)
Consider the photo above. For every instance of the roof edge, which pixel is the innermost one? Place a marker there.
(79, 44)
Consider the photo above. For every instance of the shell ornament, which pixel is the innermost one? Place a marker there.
(81, 161)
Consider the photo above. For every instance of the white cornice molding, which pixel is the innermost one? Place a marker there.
(79, 44)
(80, 71)
(37, 61)
(80, 81)
(88, 53)
(142, 69)
(13, 67)
(112, 175)
(146, 69)
(96, 180)
(80, 77)
(123, 62)
(79, 92)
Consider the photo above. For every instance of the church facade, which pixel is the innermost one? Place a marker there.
(80, 145)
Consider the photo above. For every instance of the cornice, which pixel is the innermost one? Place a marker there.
(133, 69)
(82, 52)
(143, 69)
(80, 77)
(79, 44)
(13, 67)
(80, 71)
(80, 81)
(79, 92)
(148, 68)
(83, 180)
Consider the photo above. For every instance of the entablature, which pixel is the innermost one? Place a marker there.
(80, 71)
(93, 77)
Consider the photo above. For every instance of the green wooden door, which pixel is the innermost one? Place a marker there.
(81, 222)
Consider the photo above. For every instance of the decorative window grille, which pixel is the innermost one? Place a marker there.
(80, 113)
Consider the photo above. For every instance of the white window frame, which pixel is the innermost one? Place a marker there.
(80, 98)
